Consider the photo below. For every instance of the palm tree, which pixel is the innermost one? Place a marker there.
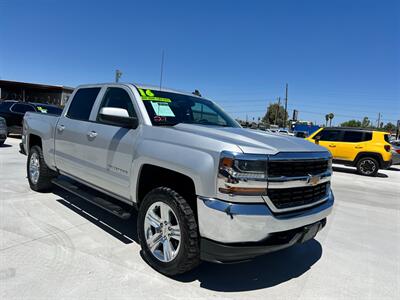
(331, 116)
(326, 119)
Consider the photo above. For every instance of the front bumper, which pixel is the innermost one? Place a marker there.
(251, 225)
(224, 253)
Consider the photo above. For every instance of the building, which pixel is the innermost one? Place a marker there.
(33, 92)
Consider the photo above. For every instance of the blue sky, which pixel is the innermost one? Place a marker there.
(337, 56)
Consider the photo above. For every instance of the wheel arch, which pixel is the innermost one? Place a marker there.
(374, 155)
(151, 176)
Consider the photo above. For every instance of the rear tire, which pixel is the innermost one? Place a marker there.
(185, 253)
(39, 174)
(367, 166)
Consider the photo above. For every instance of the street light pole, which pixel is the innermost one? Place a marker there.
(118, 75)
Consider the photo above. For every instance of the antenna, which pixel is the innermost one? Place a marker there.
(162, 68)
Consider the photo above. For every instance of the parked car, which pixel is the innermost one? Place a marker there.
(285, 131)
(205, 188)
(301, 134)
(367, 150)
(3, 131)
(13, 112)
(395, 152)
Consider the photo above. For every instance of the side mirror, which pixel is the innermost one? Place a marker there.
(317, 139)
(118, 117)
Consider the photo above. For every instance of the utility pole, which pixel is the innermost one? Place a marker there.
(162, 68)
(277, 110)
(118, 75)
(379, 120)
(286, 99)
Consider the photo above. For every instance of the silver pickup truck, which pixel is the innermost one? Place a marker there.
(204, 188)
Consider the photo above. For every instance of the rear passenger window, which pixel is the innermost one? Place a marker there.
(353, 136)
(367, 136)
(82, 103)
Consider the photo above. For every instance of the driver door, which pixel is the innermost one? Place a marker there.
(112, 147)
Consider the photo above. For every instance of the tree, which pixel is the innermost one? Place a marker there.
(277, 111)
(390, 127)
(331, 116)
(365, 122)
(326, 120)
(351, 123)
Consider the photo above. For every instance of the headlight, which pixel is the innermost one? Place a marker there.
(243, 174)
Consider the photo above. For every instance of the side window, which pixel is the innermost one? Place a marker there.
(353, 136)
(367, 136)
(22, 108)
(330, 135)
(82, 103)
(119, 98)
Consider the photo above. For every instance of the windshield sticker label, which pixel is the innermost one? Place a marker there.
(162, 109)
(42, 110)
(159, 119)
(149, 96)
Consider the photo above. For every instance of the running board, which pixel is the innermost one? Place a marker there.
(97, 198)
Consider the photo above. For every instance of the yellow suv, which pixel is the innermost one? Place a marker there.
(368, 150)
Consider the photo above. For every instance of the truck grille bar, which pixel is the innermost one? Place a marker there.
(293, 197)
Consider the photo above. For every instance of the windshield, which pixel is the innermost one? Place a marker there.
(166, 108)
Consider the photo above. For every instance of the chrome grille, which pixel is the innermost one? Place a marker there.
(297, 168)
(293, 197)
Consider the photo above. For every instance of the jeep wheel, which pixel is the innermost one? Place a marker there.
(167, 232)
(39, 175)
(367, 166)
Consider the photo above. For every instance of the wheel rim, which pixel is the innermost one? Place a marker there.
(367, 166)
(162, 232)
(34, 167)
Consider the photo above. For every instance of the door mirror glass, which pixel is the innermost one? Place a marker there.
(118, 117)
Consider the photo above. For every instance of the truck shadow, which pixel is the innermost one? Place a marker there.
(123, 230)
(262, 272)
(354, 171)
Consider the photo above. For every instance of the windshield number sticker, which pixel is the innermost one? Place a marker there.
(149, 96)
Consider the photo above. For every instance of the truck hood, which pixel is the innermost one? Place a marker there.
(251, 141)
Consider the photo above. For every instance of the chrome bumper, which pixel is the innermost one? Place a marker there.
(227, 222)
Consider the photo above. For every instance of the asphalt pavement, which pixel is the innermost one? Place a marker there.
(56, 246)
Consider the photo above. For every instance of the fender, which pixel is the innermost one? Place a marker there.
(195, 164)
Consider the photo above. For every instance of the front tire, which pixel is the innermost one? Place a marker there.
(167, 232)
(39, 174)
(367, 166)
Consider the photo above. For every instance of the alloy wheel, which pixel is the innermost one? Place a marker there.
(367, 166)
(162, 231)
(34, 168)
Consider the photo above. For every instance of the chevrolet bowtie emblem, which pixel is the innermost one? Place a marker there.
(313, 180)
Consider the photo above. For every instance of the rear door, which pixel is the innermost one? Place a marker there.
(112, 147)
(71, 134)
(351, 143)
(328, 138)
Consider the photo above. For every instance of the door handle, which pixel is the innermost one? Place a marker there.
(60, 128)
(332, 146)
(358, 147)
(92, 134)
